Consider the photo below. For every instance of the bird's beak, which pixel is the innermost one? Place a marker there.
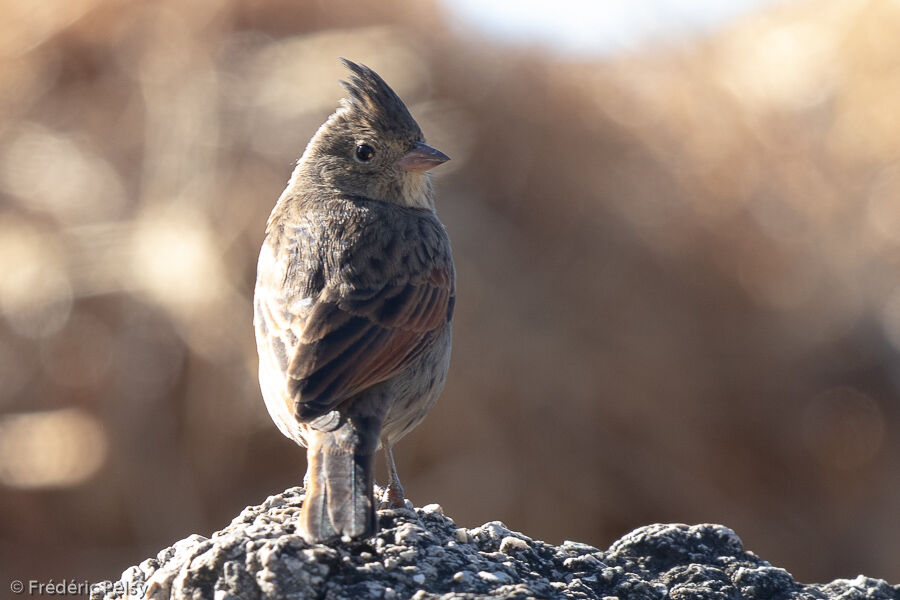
(422, 158)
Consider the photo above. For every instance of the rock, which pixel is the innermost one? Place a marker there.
(423, 554)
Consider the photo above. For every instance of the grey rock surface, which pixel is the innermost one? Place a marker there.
(420, 553)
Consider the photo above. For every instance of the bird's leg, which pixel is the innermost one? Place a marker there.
(393, 495)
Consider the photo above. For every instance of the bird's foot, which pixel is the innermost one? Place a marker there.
(393, 497)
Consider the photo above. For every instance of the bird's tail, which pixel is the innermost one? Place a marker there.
(339, 498)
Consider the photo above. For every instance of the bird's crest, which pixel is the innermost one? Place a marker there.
(372, 99)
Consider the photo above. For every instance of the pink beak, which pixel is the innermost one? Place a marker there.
(422, 158)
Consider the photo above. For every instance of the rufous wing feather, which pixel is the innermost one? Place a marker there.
(349, 344)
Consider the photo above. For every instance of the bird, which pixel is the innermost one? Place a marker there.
(353, 304)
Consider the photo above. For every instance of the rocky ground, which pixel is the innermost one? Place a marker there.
(421, 553)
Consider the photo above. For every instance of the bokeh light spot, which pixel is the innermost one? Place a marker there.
(50, 449)
(843, 428)
(35, 292)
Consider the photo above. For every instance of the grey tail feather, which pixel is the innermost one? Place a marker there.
(339, 498)
(314, 523)
(351, 505)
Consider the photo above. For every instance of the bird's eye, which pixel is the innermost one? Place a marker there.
(364, 153)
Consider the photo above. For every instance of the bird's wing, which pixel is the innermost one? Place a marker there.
(354, 338)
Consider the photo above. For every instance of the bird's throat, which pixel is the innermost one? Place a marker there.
(415, 191)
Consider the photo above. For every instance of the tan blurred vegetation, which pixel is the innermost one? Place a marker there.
(679, 275)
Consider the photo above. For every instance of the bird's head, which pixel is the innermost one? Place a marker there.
(371, 146)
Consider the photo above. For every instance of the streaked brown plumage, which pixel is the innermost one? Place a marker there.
(354, 303)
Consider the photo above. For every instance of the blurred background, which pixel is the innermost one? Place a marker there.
(676, 228)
